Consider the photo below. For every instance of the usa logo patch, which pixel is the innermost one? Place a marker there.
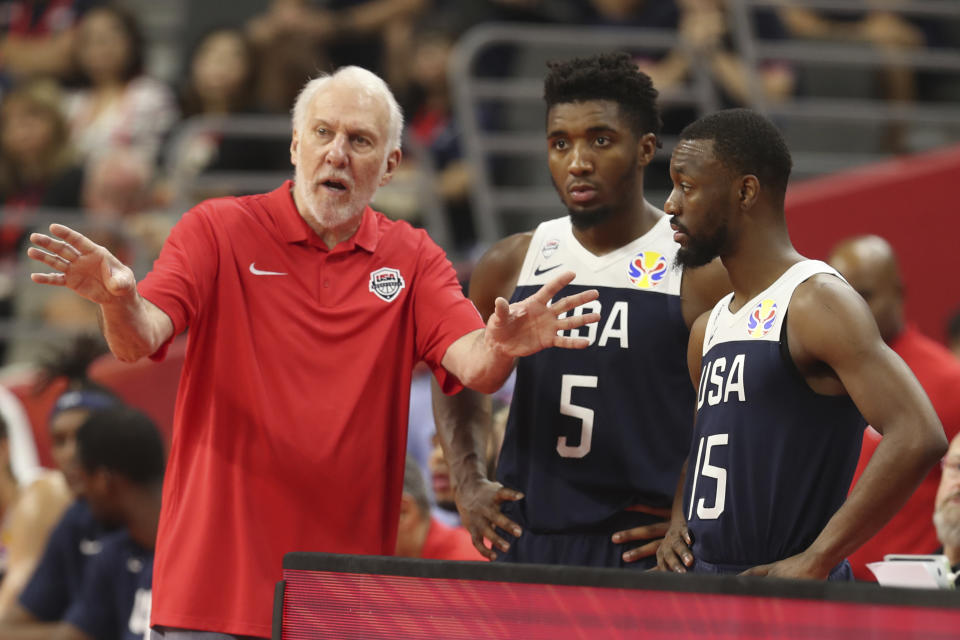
(549, 248)
(386, 283)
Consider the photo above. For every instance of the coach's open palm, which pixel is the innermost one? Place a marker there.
(84, 266)
(525, 327)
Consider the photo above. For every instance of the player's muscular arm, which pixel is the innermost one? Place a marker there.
(830, 324)
(463, 420)
(674, 553)
(133, 326)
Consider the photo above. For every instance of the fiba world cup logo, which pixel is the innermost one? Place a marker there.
(761, 319)
(647, 269)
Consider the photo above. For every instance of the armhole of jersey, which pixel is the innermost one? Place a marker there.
(785, 352)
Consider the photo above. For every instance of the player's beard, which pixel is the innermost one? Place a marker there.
(947, 521)
(701, 250)
(584, 219)
(327, 215)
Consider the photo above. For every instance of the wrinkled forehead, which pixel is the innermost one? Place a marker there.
(350, 103)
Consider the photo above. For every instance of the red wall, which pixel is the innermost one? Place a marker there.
(912, 203)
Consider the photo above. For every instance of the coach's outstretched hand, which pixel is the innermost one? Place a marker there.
(530, 325)
(478, 502)
(84, 266)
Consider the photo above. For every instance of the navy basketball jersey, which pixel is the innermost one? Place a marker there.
(771, 460)
(593, 431)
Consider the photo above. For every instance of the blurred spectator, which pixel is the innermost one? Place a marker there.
(24, 460)
(946, 514)
(878, 27)
(870, 266)
(37, 166)
(953, 334)
(421, 536)
(28, 514)
(37, 36)
(221, 81)
(56, 582)
(118, 203)
(427, 103)
(295, 37)
(118, 106)
(704, 26)
(36, 170)
(122, 459)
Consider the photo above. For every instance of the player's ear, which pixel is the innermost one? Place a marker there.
(749, 191)
(646, 148)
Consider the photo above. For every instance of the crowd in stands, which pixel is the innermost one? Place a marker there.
(79, 102)
(89, 136)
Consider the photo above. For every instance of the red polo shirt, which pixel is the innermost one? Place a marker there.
(291, 417)
(911, 530)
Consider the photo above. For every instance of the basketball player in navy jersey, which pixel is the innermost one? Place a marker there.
(594, 443)
(787, 367)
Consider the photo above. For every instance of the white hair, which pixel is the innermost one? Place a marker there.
(369, 82)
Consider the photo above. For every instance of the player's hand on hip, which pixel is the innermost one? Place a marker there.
(674, 552)
(528, 326)
(81, 265)
(652, 532)
(479, 504)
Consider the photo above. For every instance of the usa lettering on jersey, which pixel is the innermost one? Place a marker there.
(718, 383)
(614, 324)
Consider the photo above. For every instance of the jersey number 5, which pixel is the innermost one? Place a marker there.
(717, 473)
(585, 415)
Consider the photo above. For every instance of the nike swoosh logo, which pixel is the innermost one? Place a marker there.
(258, 272)
(537, 271)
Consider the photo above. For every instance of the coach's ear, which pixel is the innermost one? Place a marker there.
(749, 191)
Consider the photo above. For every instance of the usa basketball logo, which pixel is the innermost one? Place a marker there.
(647, 269)
(386, 283)
(761, 318)
(549, 248)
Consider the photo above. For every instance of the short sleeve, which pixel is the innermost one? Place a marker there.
(185, 273)
(442, 314)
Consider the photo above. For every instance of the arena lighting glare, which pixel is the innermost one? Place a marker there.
(372, 597)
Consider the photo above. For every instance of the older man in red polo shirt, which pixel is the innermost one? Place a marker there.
(307, 311)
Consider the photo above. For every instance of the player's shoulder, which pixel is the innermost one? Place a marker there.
(497, 270)
(506, 251)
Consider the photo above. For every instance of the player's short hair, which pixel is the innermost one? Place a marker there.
(746, 143)
(124, 441)
(608, 76)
